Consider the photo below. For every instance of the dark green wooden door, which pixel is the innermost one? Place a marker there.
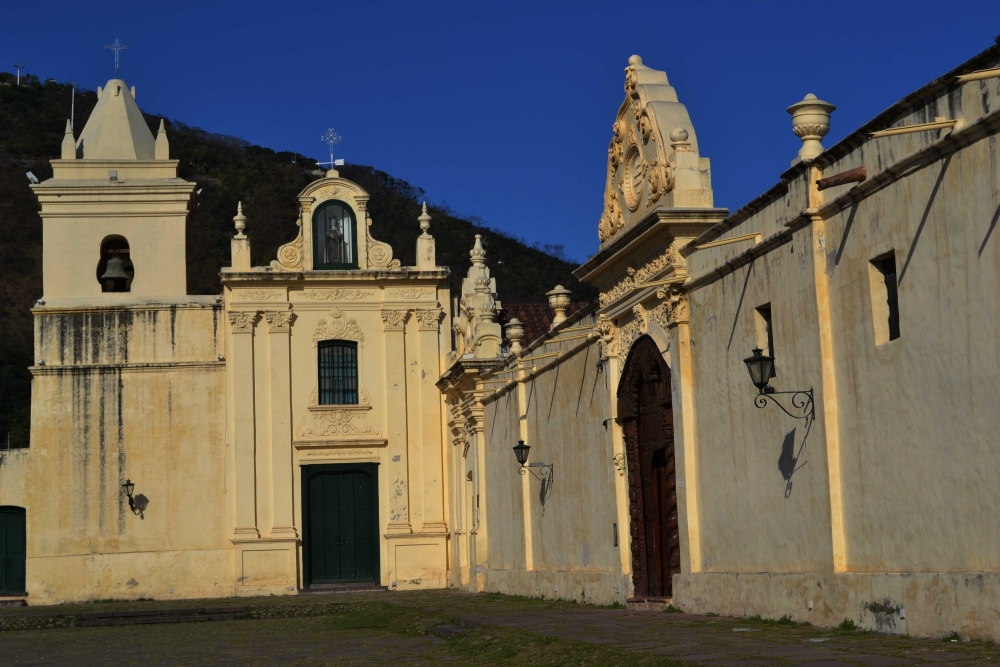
(340, 517)
(12, 550)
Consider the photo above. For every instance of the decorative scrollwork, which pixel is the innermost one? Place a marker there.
(335, 294)
(290, 254)
(621, 465)
(801, 402)
(545, 476)
(337, 326)
(636, 277)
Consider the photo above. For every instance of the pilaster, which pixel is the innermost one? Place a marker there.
(685, 430)
(394, 322)
(279, 331)
(431, 440)
(244, 429)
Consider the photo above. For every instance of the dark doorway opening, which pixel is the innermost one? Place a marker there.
(646, 414)
(12, 550)
(340, 523)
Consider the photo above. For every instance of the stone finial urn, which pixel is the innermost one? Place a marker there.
(810, 123)
(558, 302)
(515, 334)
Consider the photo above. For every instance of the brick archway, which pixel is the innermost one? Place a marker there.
(645, 412)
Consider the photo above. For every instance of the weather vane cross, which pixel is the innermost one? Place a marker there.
(331, 138)
(117, 47)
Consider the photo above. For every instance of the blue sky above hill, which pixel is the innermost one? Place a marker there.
(503, 110)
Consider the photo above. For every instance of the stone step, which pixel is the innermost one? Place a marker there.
(13, 601)
(648, 603)
(325, 589)
(152, 616)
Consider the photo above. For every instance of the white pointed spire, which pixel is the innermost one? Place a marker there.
(68, 143)
(162, 151)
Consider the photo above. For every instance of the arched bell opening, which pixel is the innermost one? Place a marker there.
(114, 270)
(646, 413)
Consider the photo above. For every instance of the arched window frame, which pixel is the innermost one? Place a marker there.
(348, 376)
(319, 242)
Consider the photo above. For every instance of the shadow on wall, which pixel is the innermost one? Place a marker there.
(788, 462)
(141, 503)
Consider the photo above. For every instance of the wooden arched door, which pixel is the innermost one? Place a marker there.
(646, 414)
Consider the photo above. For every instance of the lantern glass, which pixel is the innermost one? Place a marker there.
(761, 367)
(521, 452)
(128, 486)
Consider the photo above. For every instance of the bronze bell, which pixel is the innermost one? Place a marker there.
(114, 276)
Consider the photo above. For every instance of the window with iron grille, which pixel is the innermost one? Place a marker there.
(338, 372)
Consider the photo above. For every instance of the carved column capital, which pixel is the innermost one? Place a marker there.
(677, 305)
(607, 334)
(393, 320)
(278, 321)
(242, 322)
(428, 320)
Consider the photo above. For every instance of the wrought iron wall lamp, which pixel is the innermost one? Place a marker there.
(521, 453)
(760, 367)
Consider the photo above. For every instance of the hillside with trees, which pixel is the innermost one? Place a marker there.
(227, 170)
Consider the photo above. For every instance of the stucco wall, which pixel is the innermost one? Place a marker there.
(13, 464)
(562, 547)
(138, 395)
(739, 446)
(888, 518)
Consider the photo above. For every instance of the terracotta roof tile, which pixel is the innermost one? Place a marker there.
(537, 317)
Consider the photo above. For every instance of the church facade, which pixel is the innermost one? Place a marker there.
(784, 410)
(282, 435)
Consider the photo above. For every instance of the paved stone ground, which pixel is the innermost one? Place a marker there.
(397, 628)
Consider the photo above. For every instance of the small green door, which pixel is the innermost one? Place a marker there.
(340, 523)
(12, 550)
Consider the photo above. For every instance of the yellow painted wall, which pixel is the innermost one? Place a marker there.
(138, 395)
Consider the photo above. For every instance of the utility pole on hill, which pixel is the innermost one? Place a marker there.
(19, 68)
(72, 104)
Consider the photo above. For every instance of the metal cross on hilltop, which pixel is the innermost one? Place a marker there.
(117, 47)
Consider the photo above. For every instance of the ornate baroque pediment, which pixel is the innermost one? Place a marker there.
(650, 130)
(374, 254)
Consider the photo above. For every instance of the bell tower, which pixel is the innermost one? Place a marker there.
(114, 212)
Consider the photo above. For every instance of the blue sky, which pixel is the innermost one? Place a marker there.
(504, 110)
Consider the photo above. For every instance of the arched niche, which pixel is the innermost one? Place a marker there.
(115, 246)
(335, 236)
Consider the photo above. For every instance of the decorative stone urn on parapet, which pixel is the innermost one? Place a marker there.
(558, 302)
(515, 334)
(810, 123)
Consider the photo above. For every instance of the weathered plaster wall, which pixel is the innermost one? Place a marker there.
(138, 394)
(887, 521)
(13, 465)
(739, 446)
(557, 541)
